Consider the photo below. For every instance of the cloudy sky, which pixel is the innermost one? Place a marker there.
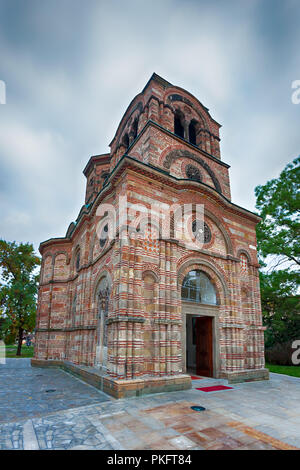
(71, 67)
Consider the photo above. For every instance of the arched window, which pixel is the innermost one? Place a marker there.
(77, 260)
(103, 236)
(197, 287)
(178, 127)
(74, 306)
(135, 128)
(103, 292)
(126, 141)
(74, 303)
(201, 232)
(192, 132)
(244, 264)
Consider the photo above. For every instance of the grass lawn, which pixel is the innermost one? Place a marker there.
(287, 370)
(11, 351)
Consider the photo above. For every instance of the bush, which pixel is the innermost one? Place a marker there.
(10, 338)
(280, 354)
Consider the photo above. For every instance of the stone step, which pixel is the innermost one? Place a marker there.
(15, 363)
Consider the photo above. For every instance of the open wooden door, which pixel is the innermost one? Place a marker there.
(204, 346)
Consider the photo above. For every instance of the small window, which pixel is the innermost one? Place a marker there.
(178, 127)
(74, 305)
(126, 141)
(73, 310)
(244, 264)
(103, 299)
(103, 236)
(197, 287)
(135, 129)
(192, 132)
(77, 263)
(198, 231)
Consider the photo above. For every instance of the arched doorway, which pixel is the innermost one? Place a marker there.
(103, 292)
(200, 308)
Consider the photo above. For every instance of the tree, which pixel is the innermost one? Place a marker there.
(278, 202)
(280, 307)
(278, 234)
(19, 284)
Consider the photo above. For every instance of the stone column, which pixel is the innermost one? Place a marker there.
(234, 323)
(162, 308)
(137, 309)
(124, 350)
(175, 314)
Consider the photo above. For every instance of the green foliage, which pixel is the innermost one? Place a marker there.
(18, 288)
(278, 202)
(278, 233)
(7, 332)
(17, 261)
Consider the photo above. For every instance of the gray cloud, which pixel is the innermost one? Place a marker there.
(72, 67)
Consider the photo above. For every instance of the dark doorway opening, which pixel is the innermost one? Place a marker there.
(199, 345)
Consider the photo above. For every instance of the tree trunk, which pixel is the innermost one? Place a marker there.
(20, 339)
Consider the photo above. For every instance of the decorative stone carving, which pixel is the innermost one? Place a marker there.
(193, 173)
(174, 154)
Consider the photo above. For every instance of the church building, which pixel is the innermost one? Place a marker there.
(157, 279)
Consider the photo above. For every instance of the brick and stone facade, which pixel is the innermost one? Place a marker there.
(113, 307)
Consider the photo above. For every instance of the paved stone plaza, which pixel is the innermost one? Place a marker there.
(49, 409)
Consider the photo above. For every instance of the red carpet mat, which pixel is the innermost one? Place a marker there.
(194, 377)
(214, 388)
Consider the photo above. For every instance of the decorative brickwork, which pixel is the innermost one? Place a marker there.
(115, 304)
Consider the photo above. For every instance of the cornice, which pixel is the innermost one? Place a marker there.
(179, 183)
(103, 158)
